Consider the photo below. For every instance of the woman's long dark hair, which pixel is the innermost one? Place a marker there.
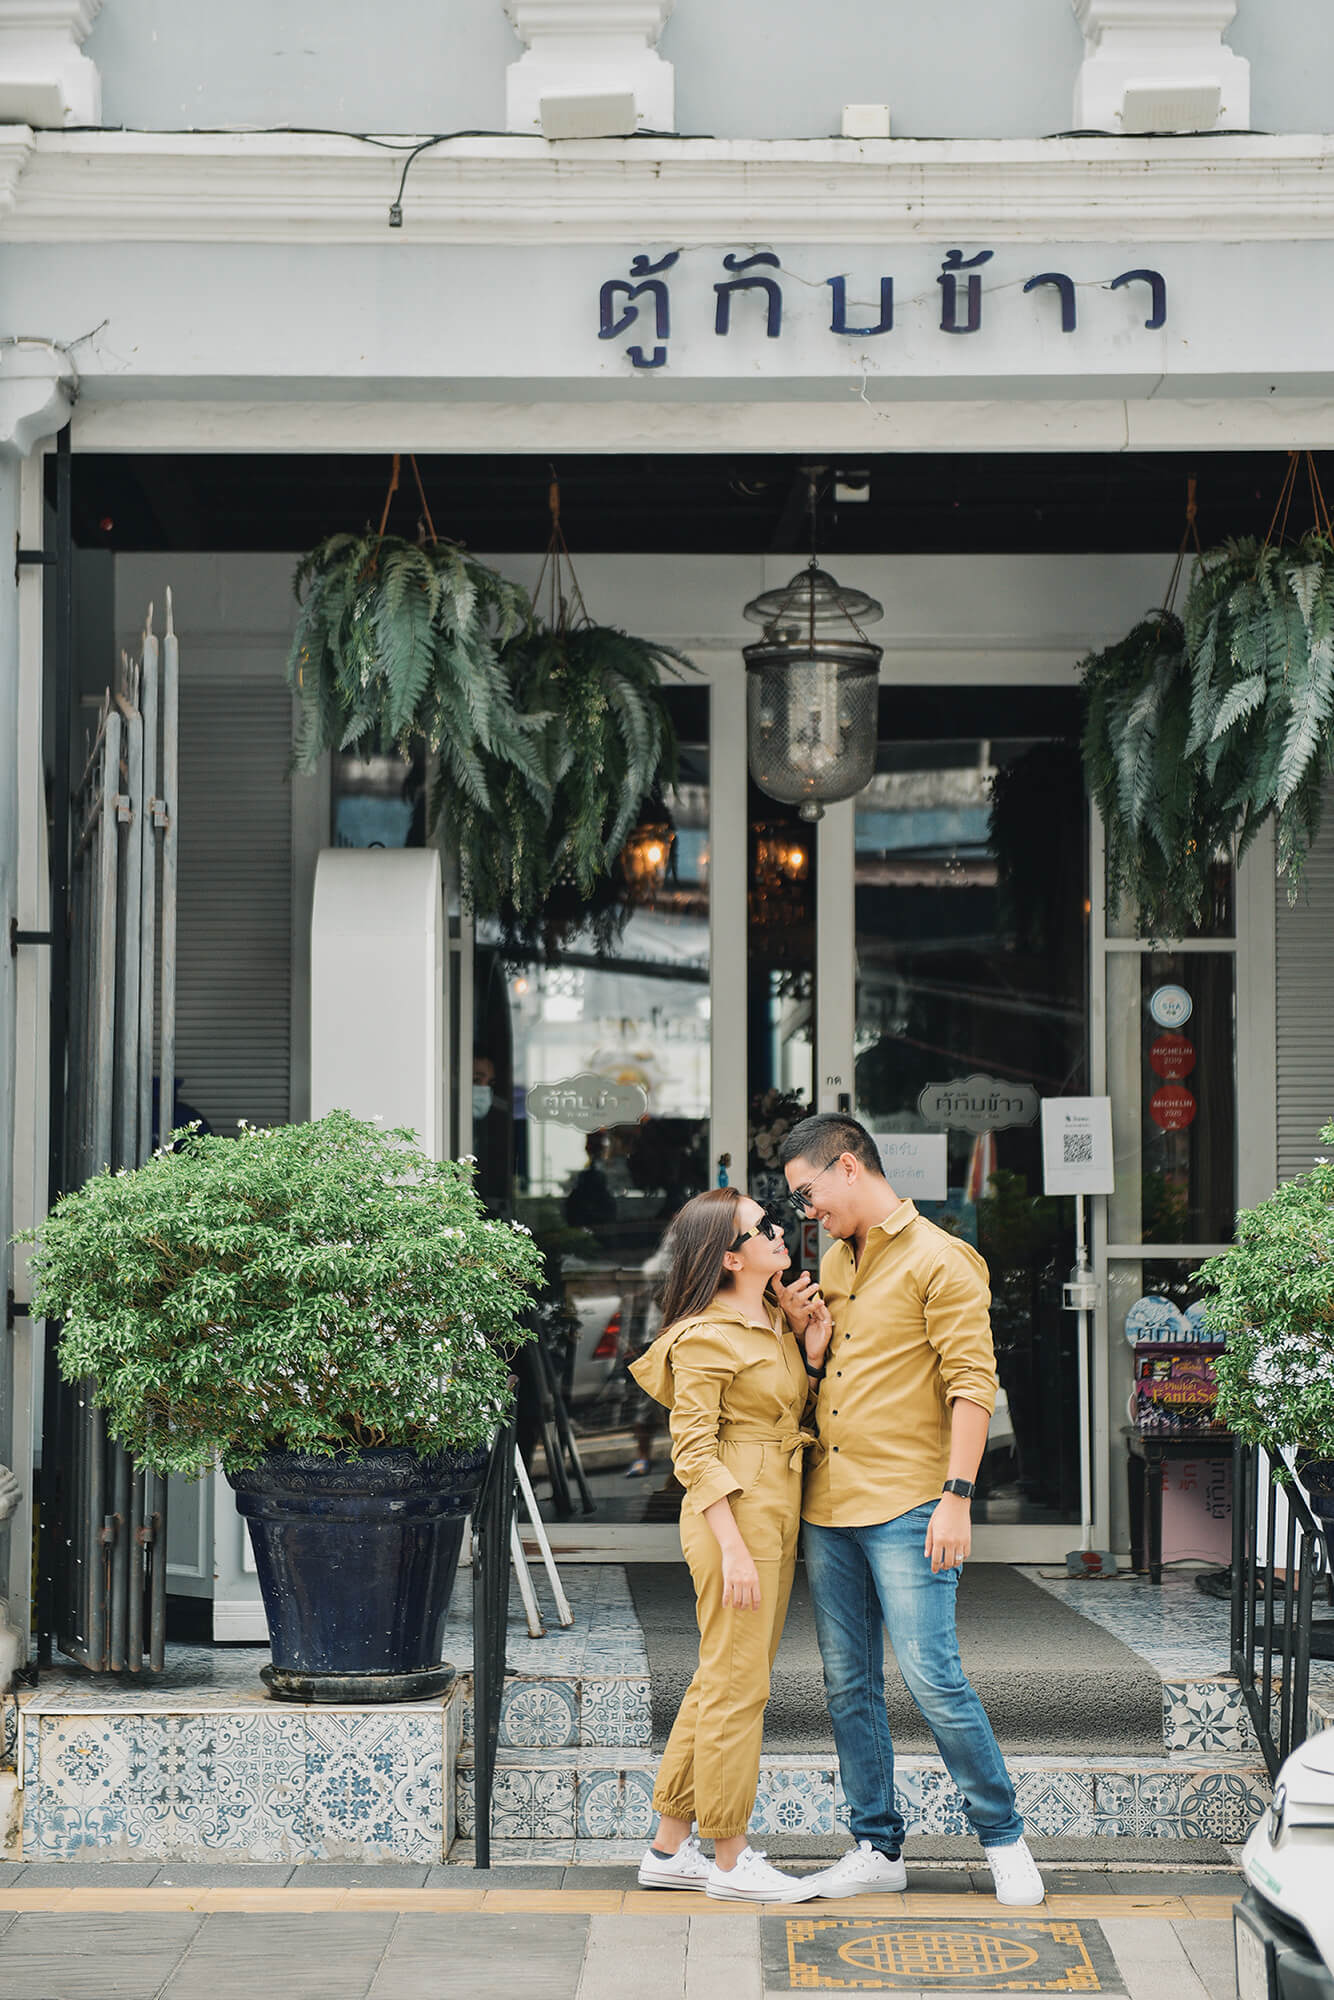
(699, 1238)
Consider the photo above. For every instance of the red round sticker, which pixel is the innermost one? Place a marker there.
(1172, 1107)
(1173, 1057)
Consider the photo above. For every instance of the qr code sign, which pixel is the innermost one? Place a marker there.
(1077, 1148)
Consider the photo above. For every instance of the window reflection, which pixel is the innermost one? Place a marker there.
(970, 916)
(598, 1129)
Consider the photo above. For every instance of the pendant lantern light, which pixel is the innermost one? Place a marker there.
(811, 687)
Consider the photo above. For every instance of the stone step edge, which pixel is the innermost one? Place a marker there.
(603, 1758)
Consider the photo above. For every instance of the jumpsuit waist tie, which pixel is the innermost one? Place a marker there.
(792, 1442)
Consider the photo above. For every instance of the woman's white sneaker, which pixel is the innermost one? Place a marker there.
(863, 1870)
(1015, 1873)
(686, 1869)
(752, 1880)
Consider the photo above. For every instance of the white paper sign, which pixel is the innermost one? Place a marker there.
(1077, 1145)
(915, 1164)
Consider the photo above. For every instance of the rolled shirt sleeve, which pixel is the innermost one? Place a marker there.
(957, 1307)
(704, 1362)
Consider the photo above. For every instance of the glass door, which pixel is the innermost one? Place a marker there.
(955, 889)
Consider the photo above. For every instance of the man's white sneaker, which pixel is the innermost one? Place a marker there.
(751, 1880)
(1015, 1873)
(686, 1869)
(861, 1871)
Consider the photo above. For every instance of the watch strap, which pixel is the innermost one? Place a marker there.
(816, 1374)
(965, 1488)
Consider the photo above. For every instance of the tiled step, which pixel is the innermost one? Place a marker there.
(565, 1712)
(582, 1795)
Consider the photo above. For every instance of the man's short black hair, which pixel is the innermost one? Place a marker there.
(822, 1138)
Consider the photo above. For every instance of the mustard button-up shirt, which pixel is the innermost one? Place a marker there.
(734, 1391)
(912, 1331)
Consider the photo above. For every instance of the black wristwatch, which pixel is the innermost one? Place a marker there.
(816, 1374)
(963, 1487)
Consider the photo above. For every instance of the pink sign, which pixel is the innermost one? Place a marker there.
(1197, 1510)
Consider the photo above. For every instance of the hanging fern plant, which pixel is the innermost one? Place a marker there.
(400, 639)
(1260, 631)
(546, 860)
(1136, 726)
(1200, 729)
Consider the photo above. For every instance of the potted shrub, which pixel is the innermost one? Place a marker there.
(1272, 1294)
(328, 1314)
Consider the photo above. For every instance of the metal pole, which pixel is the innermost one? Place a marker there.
(1085, 1419)
(58, 683)
(149, 875)
(170, 697)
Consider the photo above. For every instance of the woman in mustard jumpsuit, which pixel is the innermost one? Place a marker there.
(730, 1369)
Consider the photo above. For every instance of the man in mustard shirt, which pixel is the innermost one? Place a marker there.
(907, 1386)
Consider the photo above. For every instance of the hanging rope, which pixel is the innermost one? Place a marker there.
(1283, 505)
(1188, 534)
(564, 597)
(426, 522)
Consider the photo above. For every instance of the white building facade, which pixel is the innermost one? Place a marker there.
(581, 231)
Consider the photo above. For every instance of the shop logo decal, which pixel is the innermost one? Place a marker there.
(587, 1103)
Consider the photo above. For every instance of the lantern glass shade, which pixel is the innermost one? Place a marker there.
(811, 692)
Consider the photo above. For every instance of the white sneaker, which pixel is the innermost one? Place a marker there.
(1015, 1873)
(686, 1869)
(750, 1879)
(861, 1870)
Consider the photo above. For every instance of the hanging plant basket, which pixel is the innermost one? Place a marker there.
(546, 860)
(400, 639)
(543, 737)
(1199, 729)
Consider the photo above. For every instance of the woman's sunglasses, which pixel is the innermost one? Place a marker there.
(768, 1225)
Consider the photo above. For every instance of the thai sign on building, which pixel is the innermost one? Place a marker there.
(978, 1104)
(754, 284)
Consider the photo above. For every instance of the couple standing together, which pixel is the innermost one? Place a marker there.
(859, 1408)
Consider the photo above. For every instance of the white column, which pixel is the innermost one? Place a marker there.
(1159, 65)
(45, 78)
(599, 50)
(33, 403)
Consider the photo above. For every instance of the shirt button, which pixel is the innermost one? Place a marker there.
(838, 1371)
(834, 1413)
(835, 1447)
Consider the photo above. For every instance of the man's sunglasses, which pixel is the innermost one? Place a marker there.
(769, 1224)
(800, 1198)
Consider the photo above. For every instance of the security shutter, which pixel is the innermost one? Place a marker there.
(234, 952)
(1305, 974)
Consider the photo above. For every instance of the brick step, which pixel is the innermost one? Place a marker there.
(588, 1795)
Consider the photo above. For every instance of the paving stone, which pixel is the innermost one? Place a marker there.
(330, 1956)
(1152, 1960)
(1208, 1946)
(589, 1876)
(655, 1947)
(471, 1956)
(1187, 1882)
(88, 1874)
(523, 1875)
(11, 1874)
(89, 1955)
(359, 1875)
(938, 1881)
(222, 1875)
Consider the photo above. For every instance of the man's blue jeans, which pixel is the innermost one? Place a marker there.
(866, 1578)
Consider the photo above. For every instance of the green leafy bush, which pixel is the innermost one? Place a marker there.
(1272, 1294)
(319, 1288)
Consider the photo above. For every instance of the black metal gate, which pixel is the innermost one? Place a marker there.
(105, 1519)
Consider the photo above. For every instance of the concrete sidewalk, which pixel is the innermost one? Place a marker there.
(351, 1933)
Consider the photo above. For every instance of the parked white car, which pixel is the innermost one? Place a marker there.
(1284, 1925)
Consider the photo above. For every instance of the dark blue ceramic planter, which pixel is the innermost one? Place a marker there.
(356, 1563)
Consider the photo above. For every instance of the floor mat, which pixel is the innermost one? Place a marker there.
(1052, 1681)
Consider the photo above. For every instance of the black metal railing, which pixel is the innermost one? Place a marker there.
(492, 1522)
(1276, 1581)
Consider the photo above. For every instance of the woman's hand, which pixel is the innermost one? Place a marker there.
(798, 1300)
(818, 1333)
(741, 1579)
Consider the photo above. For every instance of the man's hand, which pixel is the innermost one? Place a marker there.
(797, 1300)
(949, 1532)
